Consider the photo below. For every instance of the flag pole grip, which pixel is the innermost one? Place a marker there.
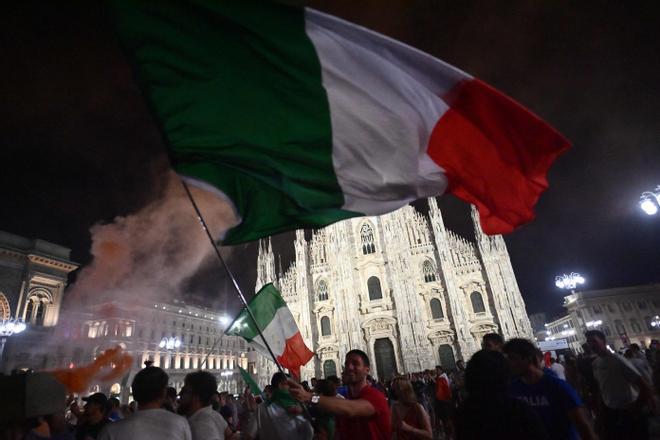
(229, 272)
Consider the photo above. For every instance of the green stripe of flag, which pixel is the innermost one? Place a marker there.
(264, 306)
(236, 88)
(254, 387)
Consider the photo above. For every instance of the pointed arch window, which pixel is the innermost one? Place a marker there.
(373, 286)
(325, 326)
(436, 309)
(322, 291)
(367, 238)
(429, 271)
(477, 302)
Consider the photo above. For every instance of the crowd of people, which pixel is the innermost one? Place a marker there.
(507, 390)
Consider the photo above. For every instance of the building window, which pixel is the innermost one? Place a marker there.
(625, 307)
(329, 368)
(436, 309)
(325, 326)
(606, 330)
(610, 308)
(635, 326)
(367, 237)
(322, 290)
(641, 305)
(477, 302)
(620, 328)
(597, 310)
(373, 286)
(429, 271)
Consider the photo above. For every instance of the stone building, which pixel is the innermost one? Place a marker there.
(401, 287)
(624, 314)
(33, 275)
(177, 337)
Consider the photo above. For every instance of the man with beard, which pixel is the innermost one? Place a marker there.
(364, 414)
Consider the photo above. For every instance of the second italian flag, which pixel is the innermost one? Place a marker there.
(278, 327)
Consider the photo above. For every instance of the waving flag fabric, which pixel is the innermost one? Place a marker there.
(302, 119)
(278, 327)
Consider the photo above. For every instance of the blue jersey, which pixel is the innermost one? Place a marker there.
(552, 399)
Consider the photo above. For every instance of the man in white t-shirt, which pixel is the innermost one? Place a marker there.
(557, 368)
(150, 421)
(196, 396)
(623, 391)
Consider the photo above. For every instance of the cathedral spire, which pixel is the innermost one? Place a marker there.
(435, 215)
(478, 232)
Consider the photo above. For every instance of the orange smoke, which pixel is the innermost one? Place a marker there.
(108, 366)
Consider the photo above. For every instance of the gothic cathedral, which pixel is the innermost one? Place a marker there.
(403, 288)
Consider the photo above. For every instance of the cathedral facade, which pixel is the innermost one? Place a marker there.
(403, 288)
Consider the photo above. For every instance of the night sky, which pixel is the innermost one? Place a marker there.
(78, 145)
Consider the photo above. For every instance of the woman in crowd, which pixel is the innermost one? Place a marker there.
(409, 419)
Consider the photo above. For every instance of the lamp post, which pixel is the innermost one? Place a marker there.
(9, 327)
(649, 201)
(570, 281)
(655, 322)
(593, 325)
(169, 344)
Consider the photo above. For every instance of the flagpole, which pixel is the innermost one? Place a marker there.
(229, 272)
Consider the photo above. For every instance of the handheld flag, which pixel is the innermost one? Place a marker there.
(301, 119)
(254, 387)
(277, 326)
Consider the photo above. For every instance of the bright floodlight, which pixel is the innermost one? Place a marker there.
(569, 281)
(649, 201)
(177, 343)
(648, 207)
(163, 343)
(224, 320)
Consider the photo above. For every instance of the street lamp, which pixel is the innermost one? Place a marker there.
(170, 343)
(655, 323)
(224, 320)
(9, 327)
(594, 324)
(569, 282)
(649, 201)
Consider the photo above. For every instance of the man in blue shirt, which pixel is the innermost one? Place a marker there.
(553, 399)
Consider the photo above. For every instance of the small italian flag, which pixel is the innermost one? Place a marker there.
(302, 119)
(277, 326)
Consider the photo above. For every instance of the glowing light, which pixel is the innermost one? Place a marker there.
(649, 201)
(648, 207)
(224, 320)
(11, 326)
(569, 281)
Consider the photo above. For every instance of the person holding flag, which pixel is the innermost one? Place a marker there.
(365, 414)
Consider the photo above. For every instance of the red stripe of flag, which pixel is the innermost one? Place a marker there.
(496, 154)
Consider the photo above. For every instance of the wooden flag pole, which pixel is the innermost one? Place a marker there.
(229, 273)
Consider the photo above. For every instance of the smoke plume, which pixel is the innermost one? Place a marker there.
(149, 254)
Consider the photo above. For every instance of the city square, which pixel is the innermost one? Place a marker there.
(332, 220)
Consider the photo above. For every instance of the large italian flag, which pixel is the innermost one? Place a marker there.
(302, 119)
(278, 327)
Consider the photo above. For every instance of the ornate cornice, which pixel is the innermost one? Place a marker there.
(49, 262)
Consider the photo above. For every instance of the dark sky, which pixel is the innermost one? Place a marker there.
(78, 146)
